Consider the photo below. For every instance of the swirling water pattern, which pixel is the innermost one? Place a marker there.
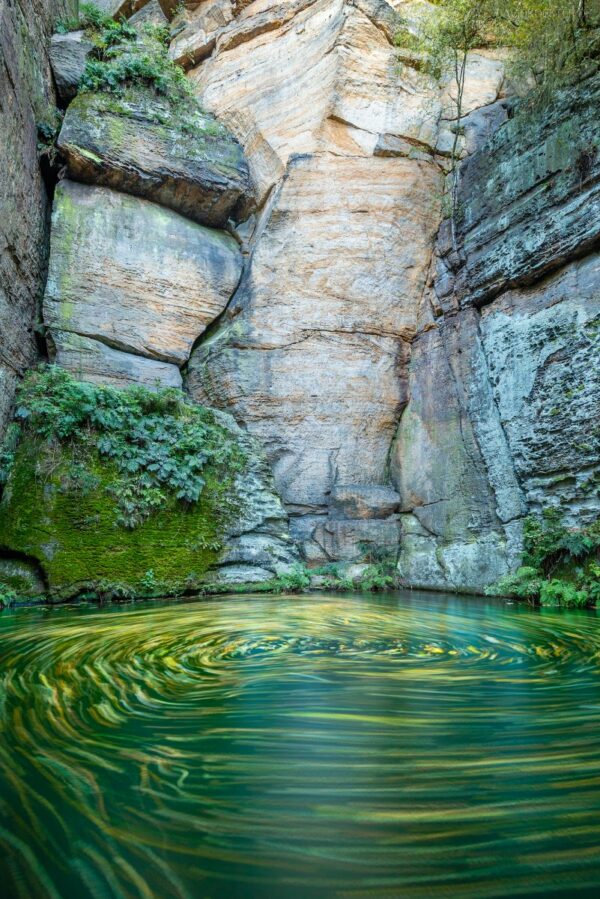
(299, 747)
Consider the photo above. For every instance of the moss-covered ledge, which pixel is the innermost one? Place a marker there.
(130, 492)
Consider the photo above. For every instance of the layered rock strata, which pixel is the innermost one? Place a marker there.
(418, 390)
(143, 146)
(135, 278)
(347, 142)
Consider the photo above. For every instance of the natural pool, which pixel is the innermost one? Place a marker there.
(328, 746)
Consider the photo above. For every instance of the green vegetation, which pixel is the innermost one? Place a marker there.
(8, 596)
(158, 443)
(560, 564)
(125, 57)
(554, 43)
(116, 490)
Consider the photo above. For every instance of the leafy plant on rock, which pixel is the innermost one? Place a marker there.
(8, 596)
(295, 580)
(156, 443)
(560, 563)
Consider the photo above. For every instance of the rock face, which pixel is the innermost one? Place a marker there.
(516, 223)
(342, 143)
(134, 276)
(140, 145)
(418, 389)
(27, 99)
(504, 376)
(68, 56)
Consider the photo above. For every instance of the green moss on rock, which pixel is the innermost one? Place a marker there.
(106, 486)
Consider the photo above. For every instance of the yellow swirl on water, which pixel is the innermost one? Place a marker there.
(290, 747)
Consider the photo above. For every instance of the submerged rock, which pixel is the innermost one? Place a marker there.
(136, 277)
(183, 159)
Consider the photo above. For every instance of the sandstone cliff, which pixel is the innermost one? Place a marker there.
(281, 252)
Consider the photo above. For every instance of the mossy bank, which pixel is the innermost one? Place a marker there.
(133, 492)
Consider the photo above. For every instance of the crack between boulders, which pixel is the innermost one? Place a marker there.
(115, 345)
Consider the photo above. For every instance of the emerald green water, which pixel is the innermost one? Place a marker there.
(296, 747)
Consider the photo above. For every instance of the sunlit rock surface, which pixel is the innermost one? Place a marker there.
(342, 133)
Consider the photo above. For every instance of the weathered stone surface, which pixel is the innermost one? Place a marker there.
(340, 130)
(26, 97)
(277, 107)
(348, 541)
(320, 75)
(133, 275)
(23, 577)
(542, 347)
(503, 399)
(456, 531)
(68, 56)
(8, 384)
(92, 360)
(363, 501)
(530, 200)
(481, 124)
(141, 145)
(197, 31)
(312, 351)
(150, 14)
(120, 8)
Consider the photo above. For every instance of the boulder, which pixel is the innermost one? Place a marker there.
(68, 56)
(183, 159)
(120, 8)
(351, 541)
(363, 501)
(150, 14)
(139, 278)
(92, 360)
